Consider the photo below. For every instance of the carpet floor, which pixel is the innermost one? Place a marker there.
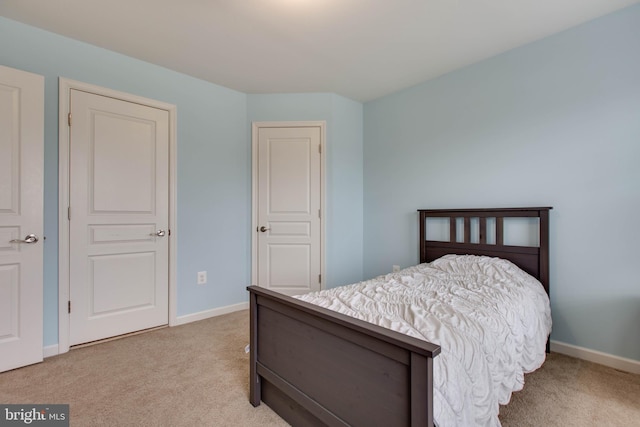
(197, 375)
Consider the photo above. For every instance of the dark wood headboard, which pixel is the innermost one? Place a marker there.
(533, 260)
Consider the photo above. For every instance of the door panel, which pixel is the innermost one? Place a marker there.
(112, 136)
(289, 179)
(9, 301)
(21, 214)
(109, 278)
(119, 198)
(296, 260)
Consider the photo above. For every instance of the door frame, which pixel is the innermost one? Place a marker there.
(254, 190)
(64, 93)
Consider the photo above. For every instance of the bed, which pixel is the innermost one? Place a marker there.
(316, 366)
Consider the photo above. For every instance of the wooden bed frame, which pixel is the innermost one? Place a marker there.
(314, 366)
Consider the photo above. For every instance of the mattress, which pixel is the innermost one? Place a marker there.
(490, 318)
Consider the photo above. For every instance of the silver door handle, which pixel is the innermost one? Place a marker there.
(31, 238)
(159, 233)
(263, 229)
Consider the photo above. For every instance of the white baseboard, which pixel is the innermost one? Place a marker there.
(50, 350)
(201, 315)
(616, 362)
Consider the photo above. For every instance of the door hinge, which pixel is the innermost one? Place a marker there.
(319, 278)
(68, 306)
(320, 149)
(319, 213)
(69, 213)
(168, 232)
(69, 119)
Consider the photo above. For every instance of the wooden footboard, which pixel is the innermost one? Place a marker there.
(314, 366)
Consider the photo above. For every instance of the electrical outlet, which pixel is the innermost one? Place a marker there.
(396, 268)
(202, 277)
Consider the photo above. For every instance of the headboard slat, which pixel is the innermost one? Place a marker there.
(499, 230)
(467, 229)
(453, 230)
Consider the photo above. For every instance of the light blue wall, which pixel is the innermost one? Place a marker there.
(344, 167)
(554, 123)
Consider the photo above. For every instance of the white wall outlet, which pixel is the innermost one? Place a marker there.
(396, 268)
(202, 277)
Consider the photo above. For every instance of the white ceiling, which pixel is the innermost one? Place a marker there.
(361, 49)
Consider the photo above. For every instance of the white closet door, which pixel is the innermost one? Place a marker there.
(21, 217)
(119, 210)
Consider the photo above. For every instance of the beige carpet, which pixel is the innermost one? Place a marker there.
(570, 392)
(197, 375)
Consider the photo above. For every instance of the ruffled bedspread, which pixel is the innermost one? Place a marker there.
(490, 318)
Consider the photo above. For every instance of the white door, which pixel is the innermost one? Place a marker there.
(119, 213)
(289, 208)
(21, 217)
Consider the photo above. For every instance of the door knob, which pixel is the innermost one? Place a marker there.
(263, 229)
(159, 233)
(31, 238)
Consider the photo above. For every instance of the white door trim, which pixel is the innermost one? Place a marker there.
(254, 190)
(64, 95)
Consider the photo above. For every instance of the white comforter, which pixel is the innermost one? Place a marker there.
(490, 318)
